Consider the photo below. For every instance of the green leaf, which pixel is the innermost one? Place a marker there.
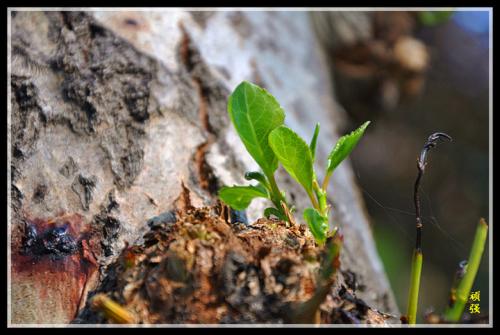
(344, 147)
(239, 197)
(312, 146)
(317, 223)
(294, 154)
(255, 175)
(274, 211)
(255, 113)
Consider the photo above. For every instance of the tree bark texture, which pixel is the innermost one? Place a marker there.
(115, 113)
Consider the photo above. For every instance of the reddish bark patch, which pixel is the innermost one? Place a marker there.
(54, 279)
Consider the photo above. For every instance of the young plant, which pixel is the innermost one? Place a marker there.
(255, 113)
(259, 121)
(298, 160)
(417, 260)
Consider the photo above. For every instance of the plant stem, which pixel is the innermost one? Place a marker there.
(416, 271)
(276, 195)
(417, 260)
(324, 186)
(277, 199)
(454, 313)
(314, 201)
(321, 197)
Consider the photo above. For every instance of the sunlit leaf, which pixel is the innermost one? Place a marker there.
(239, 197)
(318, 224)
(344, 147)
(294, 154)
(312, 146)
(255, 113)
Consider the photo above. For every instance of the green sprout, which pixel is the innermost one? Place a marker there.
(255, 113)
(298, 160)
(259, 121)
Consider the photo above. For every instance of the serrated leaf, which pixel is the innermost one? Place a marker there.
(239, 197)
(314, 139)
(318, 224)
(344, 146)
(255, 113)
(294, 154)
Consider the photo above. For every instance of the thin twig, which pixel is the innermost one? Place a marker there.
(421, 163)
(417, 260)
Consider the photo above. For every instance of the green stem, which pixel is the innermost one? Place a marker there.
(321, 197)
(314, 202)
(277, 198)
(454, 313)
(416, 271)
(276, 195)
(325, 181)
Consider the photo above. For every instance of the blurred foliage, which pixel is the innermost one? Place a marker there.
(395, 256)
(431, 18)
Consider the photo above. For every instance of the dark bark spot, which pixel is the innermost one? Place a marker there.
(96, 31)
(112, 203)
(69, 168)
(55, 242)
(130, 22)
(110, 229)
(84, 188)
(166, 218)
(350, 279)
(25, 92)
(137, 100)
(16, 197)
(39, 193)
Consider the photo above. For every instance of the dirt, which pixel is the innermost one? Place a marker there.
(203, 269)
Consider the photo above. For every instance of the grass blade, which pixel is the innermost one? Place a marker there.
(454, 313)
(416, 271)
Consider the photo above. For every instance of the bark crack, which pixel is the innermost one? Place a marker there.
(194, 65)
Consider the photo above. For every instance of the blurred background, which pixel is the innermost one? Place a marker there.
(412, 74)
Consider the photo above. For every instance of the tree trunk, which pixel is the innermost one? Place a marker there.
(114, 115)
